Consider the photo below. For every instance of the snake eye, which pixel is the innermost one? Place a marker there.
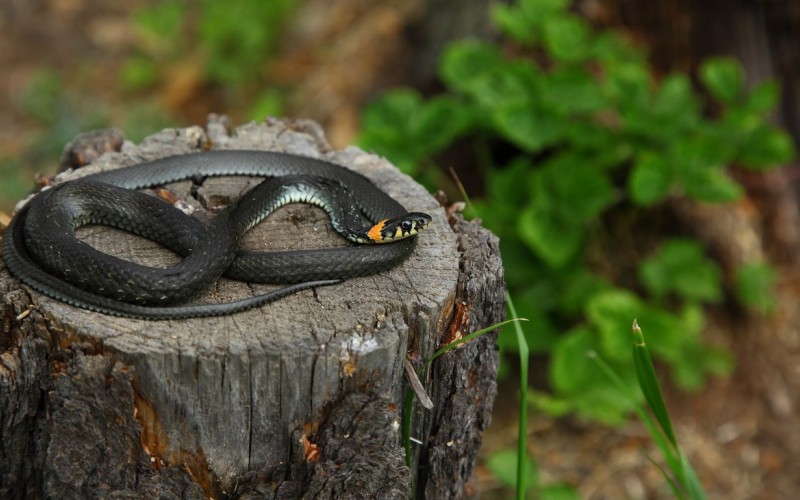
(406, 225)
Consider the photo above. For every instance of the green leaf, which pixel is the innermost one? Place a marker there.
(578, 286)
(512, 84)
(763, 98)
(698, 162)
(507, 92)
(530, 129)
(675, 108)
(407, 130)
(696, 362)
(705, 148)
(566, 194)
(767, 147)
(236, 37)
(605, 146)
(503, 184)
(268, 103)
(543, 9)
(549, 235)
(569, 370)
(712, 186)
(612, 311)
(680, 266)
(628, 88)
(527, 268)
(138, 73)
(609, 47)
(503, 465)
(723, 77)
(514, 23)
(583, 383)
(549, 404)
(570, 184)
(16, 182)
(558, 492)
(566, 38)
(466, 61)
(651, 179)
(43, 96)
(439, 122)
(571, 90)
(525, 20)
(159, 23)
(387, 127)
(755, 286)
(540, 333)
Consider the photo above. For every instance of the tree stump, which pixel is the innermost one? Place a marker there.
(301, 397)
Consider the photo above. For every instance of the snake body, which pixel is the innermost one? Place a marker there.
(41, 249)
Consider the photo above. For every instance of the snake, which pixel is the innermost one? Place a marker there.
(40, 246)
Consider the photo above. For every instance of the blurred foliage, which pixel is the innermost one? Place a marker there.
(229, 41)
(754, 284)
(222, 46)
(594, 134)
(503, 466)
(59, 118)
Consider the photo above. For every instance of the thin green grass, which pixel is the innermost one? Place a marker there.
(682, 471)
(522, 432)
(522, 435)
(678, 472)
(410, 395)
(470, 211)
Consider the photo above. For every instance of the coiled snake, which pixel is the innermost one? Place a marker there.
(41, 249)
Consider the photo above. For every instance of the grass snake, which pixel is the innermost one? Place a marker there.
(41, 249)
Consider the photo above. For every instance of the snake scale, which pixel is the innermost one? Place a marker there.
(41, 249)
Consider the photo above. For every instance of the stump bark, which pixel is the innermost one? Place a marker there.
(302, 397)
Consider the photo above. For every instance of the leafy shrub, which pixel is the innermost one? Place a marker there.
(227, 40)
(593, 134)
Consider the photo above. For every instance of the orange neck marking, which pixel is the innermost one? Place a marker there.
(375, 232)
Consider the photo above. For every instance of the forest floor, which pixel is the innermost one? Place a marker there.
(59, 61)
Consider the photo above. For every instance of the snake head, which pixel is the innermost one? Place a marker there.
(397, 228)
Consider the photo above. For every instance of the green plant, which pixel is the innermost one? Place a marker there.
(229, 41)
(679, 473)
(591, 141)
(515, 468)
(15, 183)
(55, 115)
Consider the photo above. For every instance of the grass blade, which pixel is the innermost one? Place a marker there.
(678, 463)
(408, 406)
(522, 433)
(471, 212)
(646, 374)
(690, 479)
(467, 338)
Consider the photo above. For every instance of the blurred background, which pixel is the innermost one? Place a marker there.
(637, 160)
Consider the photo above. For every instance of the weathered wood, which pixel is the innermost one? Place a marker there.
(300, 397)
